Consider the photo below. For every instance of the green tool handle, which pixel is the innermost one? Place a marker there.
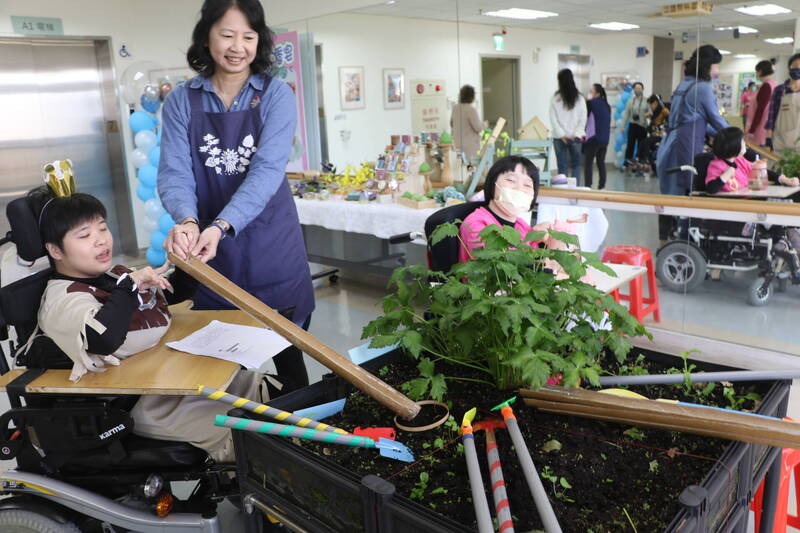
(281, 430)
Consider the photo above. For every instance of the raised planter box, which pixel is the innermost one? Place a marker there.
(311, 493)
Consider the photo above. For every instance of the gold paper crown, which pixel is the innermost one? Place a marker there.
(60, 177)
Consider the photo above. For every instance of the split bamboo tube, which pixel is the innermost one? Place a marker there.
(323, 353)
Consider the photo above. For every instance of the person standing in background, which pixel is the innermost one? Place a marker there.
(746, 102)
(466, 124)
(636, 117)
(597, 134)
(568, 120)
(784, 112)
(759, 109)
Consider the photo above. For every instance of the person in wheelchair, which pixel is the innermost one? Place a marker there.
(729, 171)
(510, 191)
(98, 313)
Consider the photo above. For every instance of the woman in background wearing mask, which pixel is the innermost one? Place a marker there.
(746, 101)
(783, 124)
(511, 188)
(760, 104)
(636, 116)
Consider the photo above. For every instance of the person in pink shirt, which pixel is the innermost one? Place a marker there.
(746, 101)
(510, 189)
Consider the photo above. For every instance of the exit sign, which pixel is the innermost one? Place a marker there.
(37, 25)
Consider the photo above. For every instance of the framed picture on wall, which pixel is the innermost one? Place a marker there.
(351, 87)
(394, 88)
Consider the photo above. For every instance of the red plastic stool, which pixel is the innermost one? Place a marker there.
(790, 462)
(640, 306)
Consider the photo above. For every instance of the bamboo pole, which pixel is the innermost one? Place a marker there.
(767, 154)
(341, 365)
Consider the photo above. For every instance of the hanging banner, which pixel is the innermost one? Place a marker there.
(288, 68)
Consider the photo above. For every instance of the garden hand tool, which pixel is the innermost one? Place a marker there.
(386, 447)
(323, 353)
(700, 377)
(501, 508)
(375, 433)
(482, 514)
(546, 513)
(266, 410)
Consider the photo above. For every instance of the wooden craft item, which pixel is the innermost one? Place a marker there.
(342, 366)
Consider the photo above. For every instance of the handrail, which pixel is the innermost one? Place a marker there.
(666, 200)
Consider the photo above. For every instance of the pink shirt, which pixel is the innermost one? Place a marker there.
(742, 175)
(474, 224)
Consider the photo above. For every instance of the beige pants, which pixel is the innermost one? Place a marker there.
(191, 418)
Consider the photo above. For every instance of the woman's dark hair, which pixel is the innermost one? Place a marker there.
(751, 84)
(466, 95)
(640, 84)
(728, 143)
(567, 89)
(509, 164)
(792, 59)
(198, 55)
(764, 68)
(600, 92)
(656, 99)
(57, 216)
(700, 63)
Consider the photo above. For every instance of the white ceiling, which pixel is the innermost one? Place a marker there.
(576, 15)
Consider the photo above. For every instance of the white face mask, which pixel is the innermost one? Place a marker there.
(514, 201)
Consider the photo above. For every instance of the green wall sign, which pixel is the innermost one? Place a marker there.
(37, 25)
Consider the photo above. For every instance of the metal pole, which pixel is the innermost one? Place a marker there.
(702, 377)
(505, 523)
(482, 514)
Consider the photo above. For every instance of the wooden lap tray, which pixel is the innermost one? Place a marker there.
(157, 371)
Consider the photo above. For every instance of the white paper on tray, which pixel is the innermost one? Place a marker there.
(249, 346)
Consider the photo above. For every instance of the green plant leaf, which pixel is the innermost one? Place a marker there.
(444, 231)
(564, 483)
(382, 341)
(566, 238)
(425, 367)
(438, 387)
(412, 341)
(416, 388)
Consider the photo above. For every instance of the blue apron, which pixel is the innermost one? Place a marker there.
(679, 148)
(268, 257)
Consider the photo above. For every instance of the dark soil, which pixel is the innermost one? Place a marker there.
(617, 478)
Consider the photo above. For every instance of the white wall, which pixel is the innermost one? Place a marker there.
(431, 49)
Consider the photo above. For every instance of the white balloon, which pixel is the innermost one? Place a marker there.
(153, 209)
(149, 224)
(139, 158)
(145, 140)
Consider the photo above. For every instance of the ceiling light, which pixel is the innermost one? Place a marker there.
(725, 52)
(779, 40)
(742, 29)
(763, 9)
(744, 56)
(523, 14)
(613, 26)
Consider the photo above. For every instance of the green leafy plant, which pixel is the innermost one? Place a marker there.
(560, 484)
(634, 433)
(418, 492)
(737, 401)
(789, 165)
(503, 315)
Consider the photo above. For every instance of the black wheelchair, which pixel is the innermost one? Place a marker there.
(79, 465)
(682, 264)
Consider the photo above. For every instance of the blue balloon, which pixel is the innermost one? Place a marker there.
(158, 136)
(149, 105)
(140, 120)
(156, 256)
(147, 174)
(157, 240)
(154, 155)
(144, 192)
(165, 222)
(628, 88)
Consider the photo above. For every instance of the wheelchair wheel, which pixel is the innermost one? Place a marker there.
(757, 294)
(680, 266)
(24, 521)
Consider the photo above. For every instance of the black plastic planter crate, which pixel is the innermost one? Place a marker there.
(317, 495)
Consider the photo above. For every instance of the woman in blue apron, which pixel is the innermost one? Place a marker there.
(227, 136)
(693, 114)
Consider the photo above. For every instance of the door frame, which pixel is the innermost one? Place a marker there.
(112, 115)
(517, 119)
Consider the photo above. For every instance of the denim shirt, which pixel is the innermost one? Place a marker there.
(176, 182)
(693, 105)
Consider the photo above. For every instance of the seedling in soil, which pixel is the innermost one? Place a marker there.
(635, 368)
(653, 466)
(735, 401)
(452, 425)
(634, 433)
(418, 491)
(557, 482)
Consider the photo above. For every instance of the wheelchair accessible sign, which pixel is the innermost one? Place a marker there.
(37, 25)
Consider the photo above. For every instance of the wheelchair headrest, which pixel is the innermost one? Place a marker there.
(19, 302)
(25, 229)
(445, 254)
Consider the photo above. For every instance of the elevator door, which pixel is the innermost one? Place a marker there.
(580, 67)
(52, 107)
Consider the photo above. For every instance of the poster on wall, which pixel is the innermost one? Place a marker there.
(394, 88)
(288, 67)
(351, 88)
(723, 90)
(429, 111)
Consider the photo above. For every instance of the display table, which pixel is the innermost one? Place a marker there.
(157, 371)
(625, 273)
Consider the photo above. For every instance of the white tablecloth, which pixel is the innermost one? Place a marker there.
(380, 220)
(590, 235)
